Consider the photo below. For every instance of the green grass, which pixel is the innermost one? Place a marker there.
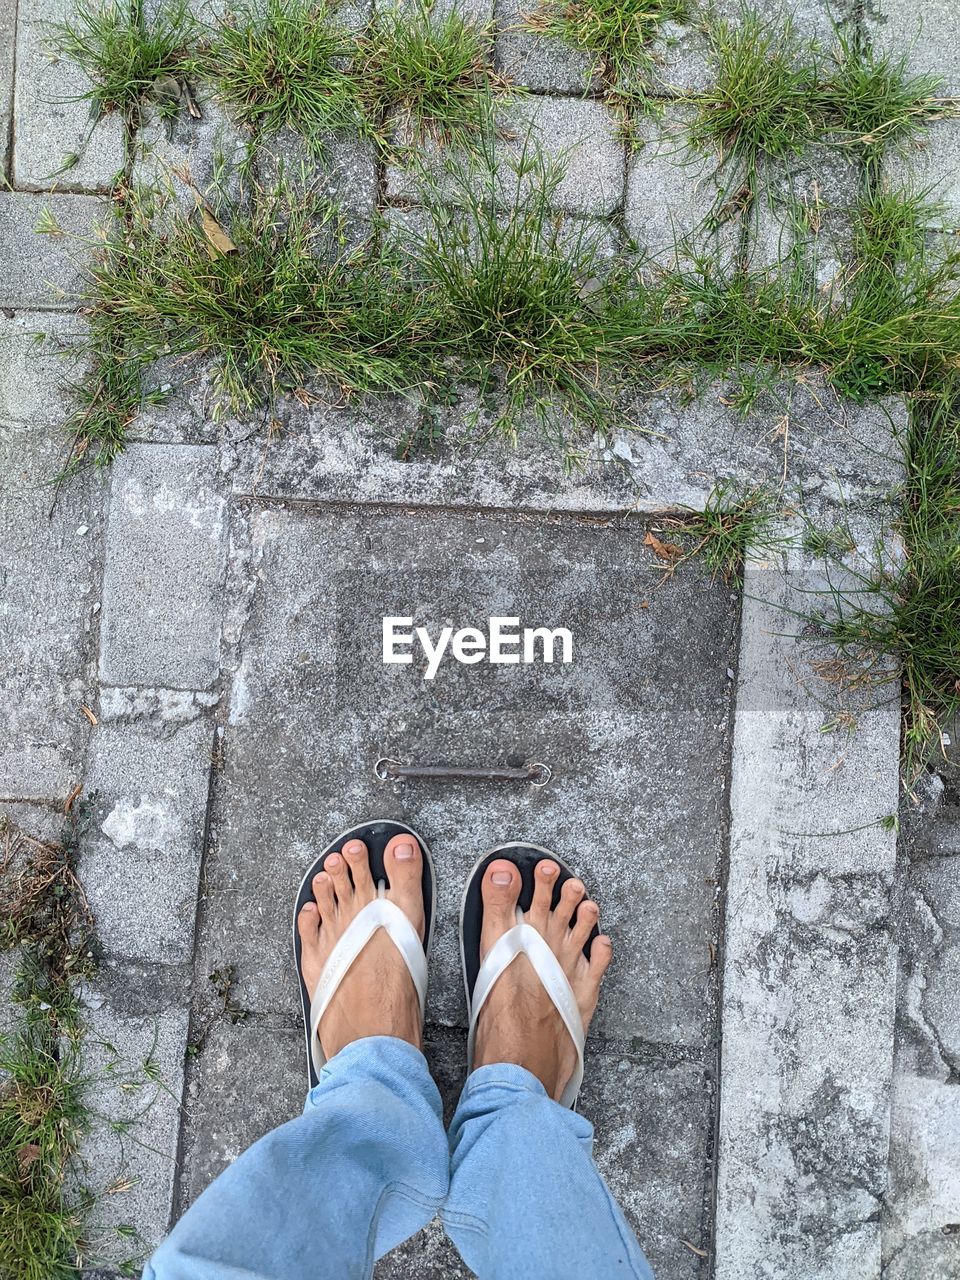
(276, 305)
(281, 64)
(517, 298)
(763, 102)
(435, 71)
(131, 58)
(901, 621)
(616, 33)
(43, 1114)
(872, 102)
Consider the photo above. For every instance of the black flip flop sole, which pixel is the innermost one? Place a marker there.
(376, 836)
(525, 858)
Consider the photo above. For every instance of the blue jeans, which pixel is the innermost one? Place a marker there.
(368, 1164)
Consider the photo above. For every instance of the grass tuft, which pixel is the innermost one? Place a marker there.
(267, 291)
(616, 33)
(436, 71)
(908, 614)
(517, 294)
(281, 64)
(872, 102)
(131, 58)
(734, 520)
(42, 1110)
(764, 100)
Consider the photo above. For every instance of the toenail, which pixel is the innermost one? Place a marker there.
(333, 860)
(403, 852)
(549, 872)
(353, 847)
(501, 877)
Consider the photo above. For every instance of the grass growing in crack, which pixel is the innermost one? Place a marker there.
(42, 1109)
(435, 71)
(764, 101)
(266, 290)
(734, 519)
(281, 64)
(616, 33)
(872, 102)
(518, 298)
(131, 56)
(908, 613)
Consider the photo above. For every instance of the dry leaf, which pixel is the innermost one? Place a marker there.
(662, 550)
(701, 1253)
(27, 1156)
(89, 714)
(219, 243)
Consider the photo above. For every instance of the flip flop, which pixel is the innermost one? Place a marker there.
(478, 979)
(381, 913)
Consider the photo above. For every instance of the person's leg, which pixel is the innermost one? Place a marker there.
(526, 1200)
(366, 1165)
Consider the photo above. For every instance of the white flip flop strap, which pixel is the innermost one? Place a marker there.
(380, 914)
(523, 939)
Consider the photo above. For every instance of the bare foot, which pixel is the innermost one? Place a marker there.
(519, 1022)
(377, 996)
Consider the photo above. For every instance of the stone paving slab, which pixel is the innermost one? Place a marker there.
(312, 706)
(163, 580)
(538, 62)
(49, 573)
(807, 202)
(674, 195)
(670, 452)
(932, 166)
(921, 1201)
(8, 35)
(924, 31)
(149, 769)
(580, 136)
(44, 270)
(133, 1057)
(810, 964)
(51, 121)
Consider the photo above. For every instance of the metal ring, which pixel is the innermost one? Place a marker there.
(545, 773)
(383, 774)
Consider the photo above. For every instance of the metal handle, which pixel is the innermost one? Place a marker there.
(537, 774)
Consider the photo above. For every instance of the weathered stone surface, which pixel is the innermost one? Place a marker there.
(36, 368)
(652, 1121)
(132, 1055)
(45, 270)
(920, 1207)
(149, 770)
(932, 165)
(49, 571)
(675, 198)
(807, 205)
(810, 966)
(539, 62)
(924, 32)
(248, 1078)
(51, 119)
(345, 173)
(579, 136)
(163, 579)
(675, 453)
(309, 687)
(8, 29)
(582, 135)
